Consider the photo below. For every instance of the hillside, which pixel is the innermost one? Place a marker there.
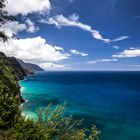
(30, 66)
(10, 73)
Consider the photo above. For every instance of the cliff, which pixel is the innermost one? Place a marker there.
(29, 66)
(10, 73)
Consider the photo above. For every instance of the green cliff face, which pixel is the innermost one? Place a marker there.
(10, 73)
(10, 98)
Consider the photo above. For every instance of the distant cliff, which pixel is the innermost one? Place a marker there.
(29, 66)
(10, 73)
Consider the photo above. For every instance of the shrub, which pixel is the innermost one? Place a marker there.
(64, 128)
(9, 111)
(51, 124)
(27, 129)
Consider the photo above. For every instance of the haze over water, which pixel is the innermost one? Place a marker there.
(111, 100)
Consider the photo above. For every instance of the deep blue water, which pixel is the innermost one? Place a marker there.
(111, 100)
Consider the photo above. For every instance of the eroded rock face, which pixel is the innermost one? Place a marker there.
(10, 73)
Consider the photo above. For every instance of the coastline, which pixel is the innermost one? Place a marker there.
(116, 88)
(27, 114)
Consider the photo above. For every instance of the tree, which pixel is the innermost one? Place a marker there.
(4, 17)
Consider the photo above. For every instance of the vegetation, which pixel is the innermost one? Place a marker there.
(4, 17)
(10, 73)
(51, 125)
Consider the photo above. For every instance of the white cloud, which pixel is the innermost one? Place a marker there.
(109, 60)
(54, 66)
(31, 28)
(24, 7)
(12, 28)
(74, 17)
(92, 62)
(101, 60)
(128, 53)
(132, 48)
(116, 47)
(59, 48)
(73, 21)
(34, 50)
(98, 36)
(76, 52)
(120, 38)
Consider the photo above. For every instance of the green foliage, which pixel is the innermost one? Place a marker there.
(27, 129)
(10, 73)
(5, 135)
(52, 126)
(9, 111)
(4, 17)
(94, 134)
(9, 94)
(64, 128)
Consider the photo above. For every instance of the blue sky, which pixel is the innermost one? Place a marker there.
(76, 34)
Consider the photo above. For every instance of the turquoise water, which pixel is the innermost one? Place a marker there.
(111, 100)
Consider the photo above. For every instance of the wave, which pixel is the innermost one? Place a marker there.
(22, 89)
(23, 103)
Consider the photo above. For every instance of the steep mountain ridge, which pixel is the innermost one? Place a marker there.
(29, 66)
(10, 73)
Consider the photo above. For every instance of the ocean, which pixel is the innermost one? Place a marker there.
(111, 100)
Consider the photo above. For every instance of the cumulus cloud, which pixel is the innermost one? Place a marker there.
(59, 48)
(101, 60)
(13, 28)
(34, 50)
(73, 21)
(76, 52)
(31, 28)
(24, 7)
(128, 53)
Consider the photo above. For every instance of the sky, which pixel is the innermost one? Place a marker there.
(94, 35)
